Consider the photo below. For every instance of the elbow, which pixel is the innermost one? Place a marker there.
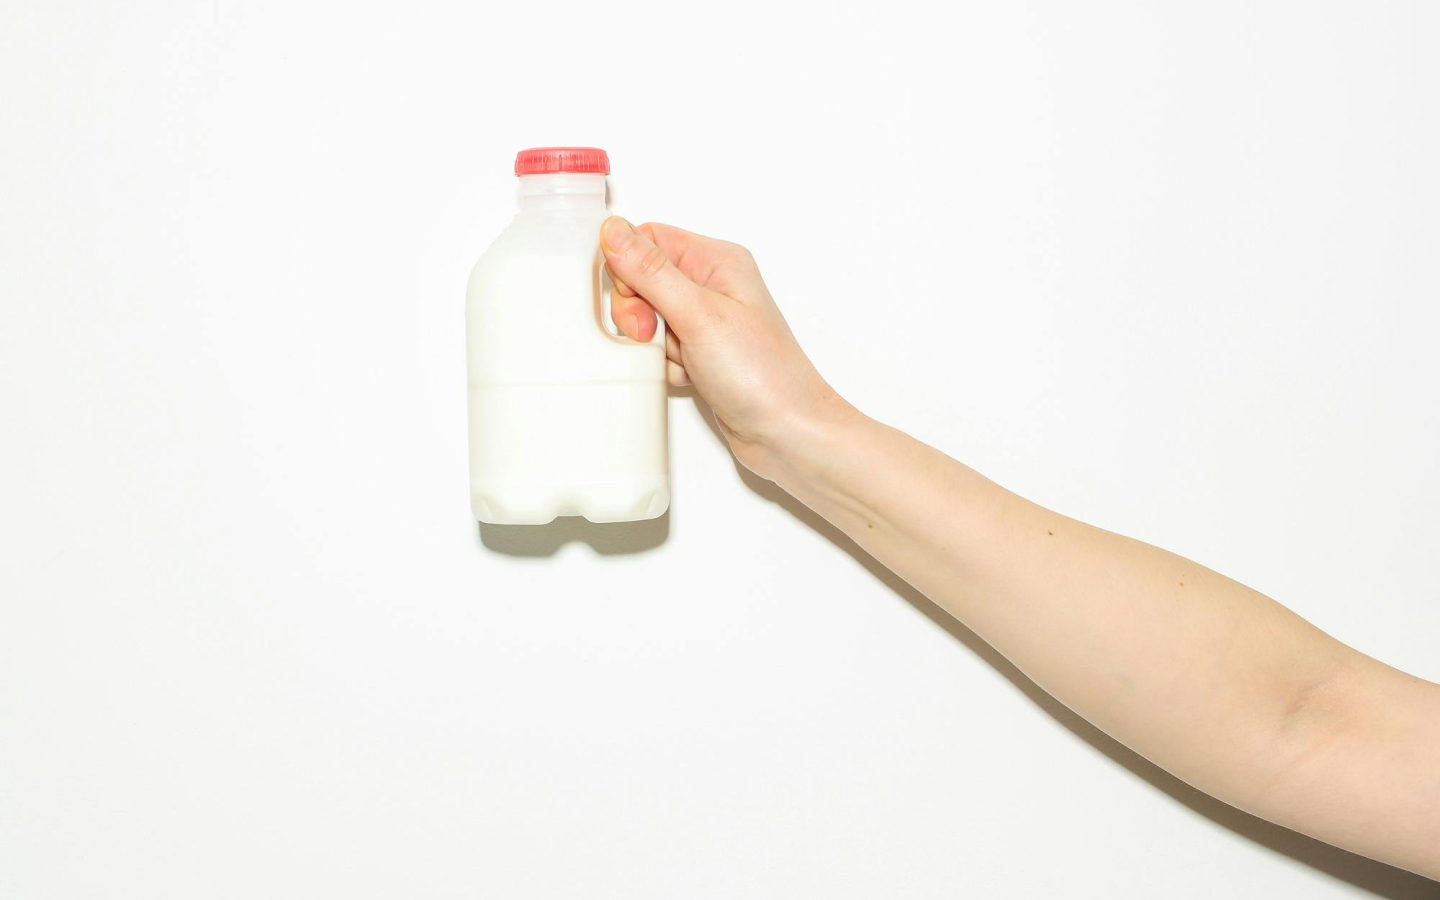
(1310, 715)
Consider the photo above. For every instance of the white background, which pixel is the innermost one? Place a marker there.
(1167, 268)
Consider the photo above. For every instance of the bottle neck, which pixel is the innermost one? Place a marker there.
(562, 192)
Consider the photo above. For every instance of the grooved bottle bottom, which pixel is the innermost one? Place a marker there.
(595, 449)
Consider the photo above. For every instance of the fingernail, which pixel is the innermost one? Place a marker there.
(634, 329)
(617, 233)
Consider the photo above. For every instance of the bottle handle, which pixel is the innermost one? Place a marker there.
(607, 322)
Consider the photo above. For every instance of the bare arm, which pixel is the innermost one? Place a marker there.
(1209, 679)
(1218, 684)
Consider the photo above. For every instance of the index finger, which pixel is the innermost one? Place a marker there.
(707, 261)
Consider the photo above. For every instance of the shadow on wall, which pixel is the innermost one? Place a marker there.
(635, 537)
(545, 540)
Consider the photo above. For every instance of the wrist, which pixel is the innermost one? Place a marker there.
(805, 444)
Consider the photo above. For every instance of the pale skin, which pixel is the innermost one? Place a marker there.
(1218, 684)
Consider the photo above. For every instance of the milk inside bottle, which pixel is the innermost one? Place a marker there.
(566, 417)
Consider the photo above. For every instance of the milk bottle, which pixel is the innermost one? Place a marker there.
(566, 417)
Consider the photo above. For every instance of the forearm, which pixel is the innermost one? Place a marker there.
(1207, 678)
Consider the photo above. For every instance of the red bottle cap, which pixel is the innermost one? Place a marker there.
(548, 160)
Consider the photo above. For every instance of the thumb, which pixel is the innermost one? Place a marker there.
(635, 260)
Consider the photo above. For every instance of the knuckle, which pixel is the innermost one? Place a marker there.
(652, 261)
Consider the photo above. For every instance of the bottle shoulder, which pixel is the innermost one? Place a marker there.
(543, 237)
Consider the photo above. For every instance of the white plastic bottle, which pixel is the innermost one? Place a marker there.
(566, 417)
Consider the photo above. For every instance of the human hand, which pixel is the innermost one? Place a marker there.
(725, 335)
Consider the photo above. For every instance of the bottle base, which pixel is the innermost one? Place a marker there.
(602, 503)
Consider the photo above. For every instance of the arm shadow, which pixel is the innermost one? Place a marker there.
(1362, 872)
